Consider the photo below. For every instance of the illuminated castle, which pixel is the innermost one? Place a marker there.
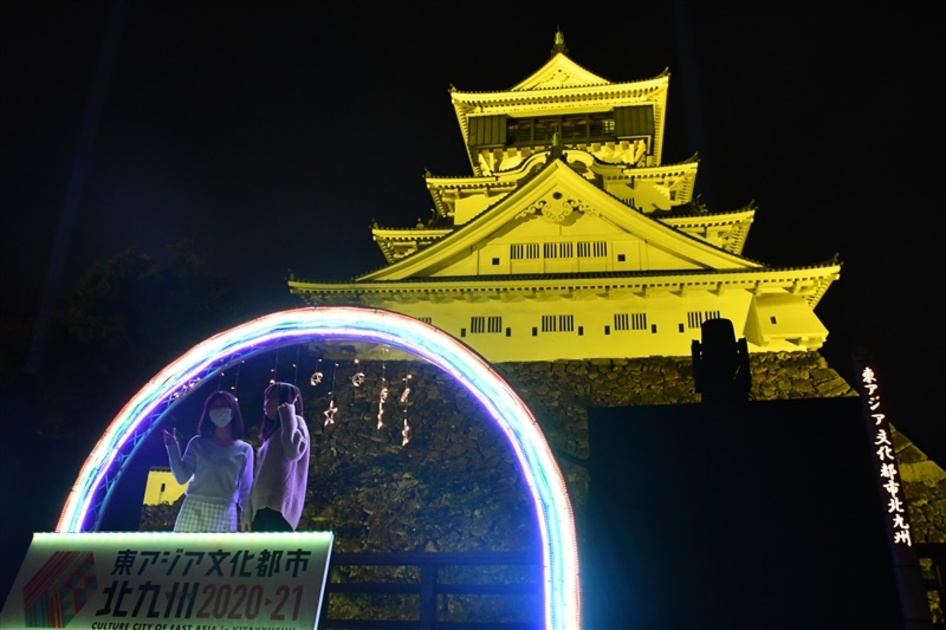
(583, 269)
(572, 239)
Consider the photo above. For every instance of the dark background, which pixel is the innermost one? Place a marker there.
(271, 134)
(737, 517)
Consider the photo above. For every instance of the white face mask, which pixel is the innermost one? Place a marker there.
(221, 417)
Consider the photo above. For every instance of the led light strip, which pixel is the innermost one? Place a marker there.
(556, 521)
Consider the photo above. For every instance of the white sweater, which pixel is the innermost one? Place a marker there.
(282, 470)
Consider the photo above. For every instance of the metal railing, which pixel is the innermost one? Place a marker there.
(433, 591)
(423, 587)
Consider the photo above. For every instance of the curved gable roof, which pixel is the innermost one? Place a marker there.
(559, 71)
(557, 176)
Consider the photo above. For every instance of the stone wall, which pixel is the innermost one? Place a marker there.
(456, 485)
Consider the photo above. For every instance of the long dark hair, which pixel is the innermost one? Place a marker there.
(288, 393)
(206, 427)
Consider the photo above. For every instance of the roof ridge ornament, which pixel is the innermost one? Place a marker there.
(559, 46)
(555, 147)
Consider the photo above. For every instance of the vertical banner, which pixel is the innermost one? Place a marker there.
(885, 460)
(170, 581)
(916, 611)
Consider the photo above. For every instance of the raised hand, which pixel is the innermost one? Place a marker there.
(170, 438)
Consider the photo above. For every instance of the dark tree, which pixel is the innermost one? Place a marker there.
(129, 317)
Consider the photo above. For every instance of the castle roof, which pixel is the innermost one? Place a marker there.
(561, 86)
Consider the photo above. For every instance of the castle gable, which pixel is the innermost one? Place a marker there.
(559, 72)
(559, 222)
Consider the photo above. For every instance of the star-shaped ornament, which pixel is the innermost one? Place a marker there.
(330, 413)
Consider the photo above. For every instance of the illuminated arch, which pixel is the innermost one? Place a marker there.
(556, 522)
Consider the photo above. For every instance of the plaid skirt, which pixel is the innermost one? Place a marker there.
(201, 516)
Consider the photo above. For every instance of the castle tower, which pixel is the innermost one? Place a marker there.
(573, 239)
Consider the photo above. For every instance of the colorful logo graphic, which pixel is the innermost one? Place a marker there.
(59, 590)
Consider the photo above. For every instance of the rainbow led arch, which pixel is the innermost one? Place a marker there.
(556, 522)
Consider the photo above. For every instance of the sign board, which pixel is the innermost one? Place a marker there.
(170, 581)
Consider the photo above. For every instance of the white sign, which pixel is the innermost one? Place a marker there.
(169, 581)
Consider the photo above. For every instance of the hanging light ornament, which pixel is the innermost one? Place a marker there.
(274, 370)
(382, 395)
(317, 376)
(330, 412)
(236, 381)
(407, 388)
(406, 431)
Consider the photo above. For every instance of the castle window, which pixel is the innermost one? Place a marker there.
(520, 251)
(695, 319)
(495, 261)
(558, 323)
(592, 249)
(574, 127)
(544, 128)
(630, 321)
(488, 131)
(636, 121)
(550, 250)
(580, 128)
(490, 324)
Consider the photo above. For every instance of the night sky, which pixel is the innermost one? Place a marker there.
(271, 134)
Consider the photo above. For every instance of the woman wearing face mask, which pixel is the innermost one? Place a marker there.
(219, 466)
